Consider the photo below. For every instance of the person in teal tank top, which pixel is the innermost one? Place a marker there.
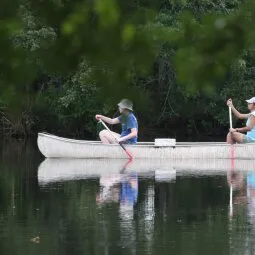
(236, 135)
(128, 123)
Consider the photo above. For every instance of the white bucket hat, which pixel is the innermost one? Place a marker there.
(126, 104)
(251, 100)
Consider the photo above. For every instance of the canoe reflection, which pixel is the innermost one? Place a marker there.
(111, 171)
(59, 170)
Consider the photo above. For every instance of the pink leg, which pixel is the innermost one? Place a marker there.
(103, 137)
(238, 137)
(230, 139)
(107, 138)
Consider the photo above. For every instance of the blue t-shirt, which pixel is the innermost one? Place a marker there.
(128, 122)
(251, 134)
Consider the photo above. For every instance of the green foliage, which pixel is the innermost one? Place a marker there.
(17, 93)
(210, 46)
(75, 104)
(177, 60)
(239, 86)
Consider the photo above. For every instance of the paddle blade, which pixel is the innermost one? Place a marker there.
(127, 152)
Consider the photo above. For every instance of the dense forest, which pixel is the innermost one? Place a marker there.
(64, 61)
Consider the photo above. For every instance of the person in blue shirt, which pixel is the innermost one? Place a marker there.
(128, 122)
(236, 135)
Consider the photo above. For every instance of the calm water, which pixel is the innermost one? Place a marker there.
(105, 207)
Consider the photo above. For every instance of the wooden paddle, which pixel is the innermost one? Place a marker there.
(121, 145)
(230, 117)
(231, 126)
(232, 168)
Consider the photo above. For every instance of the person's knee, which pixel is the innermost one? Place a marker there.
(103, 133)
(235, 135)
(229, 136)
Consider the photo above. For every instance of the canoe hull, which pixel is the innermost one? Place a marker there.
(57, 147)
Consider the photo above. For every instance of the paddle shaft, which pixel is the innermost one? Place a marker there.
(122, 146)
(231, 126)
(232, 166)
(230, 117)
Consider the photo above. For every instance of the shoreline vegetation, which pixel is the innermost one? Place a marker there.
(178, 61)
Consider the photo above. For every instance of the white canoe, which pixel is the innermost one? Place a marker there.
(52, 146)
(59, 170)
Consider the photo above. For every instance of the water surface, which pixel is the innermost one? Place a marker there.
(112, 207)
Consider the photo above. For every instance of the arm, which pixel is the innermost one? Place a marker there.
(236, 112)
(107, 120)
(248, 128)
(131, 135)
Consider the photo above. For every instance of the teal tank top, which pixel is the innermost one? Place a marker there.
(251, 134)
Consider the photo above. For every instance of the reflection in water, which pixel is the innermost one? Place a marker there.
(135, 216)
(242, 235)
(120, 187)
(60, 170)
(104, 207)
(128, 198)
(251, 197)
(250, 239)
(237, 187)
(147, 223)
(128, 194)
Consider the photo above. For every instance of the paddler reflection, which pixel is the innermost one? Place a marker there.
(236, 182)
(122, 188)
(251, 196)
(243, 190)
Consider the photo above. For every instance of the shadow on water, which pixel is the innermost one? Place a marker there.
(53, 206)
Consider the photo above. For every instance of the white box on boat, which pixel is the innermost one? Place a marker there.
(164, 142)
